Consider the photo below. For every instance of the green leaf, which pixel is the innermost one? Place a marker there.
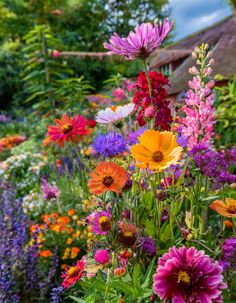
(77, 299)
(149, 273)
(136, 274)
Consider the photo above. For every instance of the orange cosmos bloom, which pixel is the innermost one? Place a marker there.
(226, 209)
(156, 150)
(67, 129)
(107, 176)
(45, 253)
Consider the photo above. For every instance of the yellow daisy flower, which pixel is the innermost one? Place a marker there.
(156, 150)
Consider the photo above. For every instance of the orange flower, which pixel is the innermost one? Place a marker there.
(54, 215)
(226, 209)
(63, 220)
(71, 212)
(228, 224)
(55, 227)
(46, 218)
(107, 176)
(69, 241)
(46, 141)
(156, 150)
(74, 252)
(45, 253)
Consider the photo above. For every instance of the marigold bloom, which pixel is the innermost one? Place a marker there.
(186, 275)
(107, 176)
(45, 253)
(226, 209)
(102, 223)
(67, 129)
(74, 252)
(156, 150)
(73, 274)
(71, 212)
(114, 114)
(146, 38)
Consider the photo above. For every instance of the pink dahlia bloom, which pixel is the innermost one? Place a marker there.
(146, 38)
(102, 256)
(119, 94)
(102, 223)
(186, 275)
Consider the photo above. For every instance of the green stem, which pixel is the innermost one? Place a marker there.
(147, 77)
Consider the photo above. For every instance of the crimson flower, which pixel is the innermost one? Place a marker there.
(73, 274)
(68, 129)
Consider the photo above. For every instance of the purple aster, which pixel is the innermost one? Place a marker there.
(133, 137)
(109, 144)
(187, 275)
(148, 246)
(145, 39)
(49, 192)
(214, 164)
(102, 223)
(228, 259)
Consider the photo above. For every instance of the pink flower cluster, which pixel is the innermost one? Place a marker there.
(198, 125)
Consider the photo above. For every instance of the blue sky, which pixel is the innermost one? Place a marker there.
(193, 15)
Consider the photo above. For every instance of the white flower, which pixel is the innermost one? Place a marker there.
(114, 113)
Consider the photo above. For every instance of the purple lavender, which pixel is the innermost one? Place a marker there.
(49, 191)
(56, 294)
(109, 144)
(228, 258)
(215, 164)
(148, 246)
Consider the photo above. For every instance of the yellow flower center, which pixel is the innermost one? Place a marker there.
(66, 128)
(232, 209)
(114, 108)
(107, 181)
(184, 277)
(128, 234)
(157, 156)
(104, 223)
(73, 271)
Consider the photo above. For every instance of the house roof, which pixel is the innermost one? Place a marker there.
(222, 40)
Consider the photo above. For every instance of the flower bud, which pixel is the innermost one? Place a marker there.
(150, 112)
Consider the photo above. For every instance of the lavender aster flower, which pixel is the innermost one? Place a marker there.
(109, 144)
(133, 137)
(148, 246)
(228, 259)
(102, 223)
(146, 38)
(49, 192)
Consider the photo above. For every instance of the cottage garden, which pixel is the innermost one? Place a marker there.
(128, 198)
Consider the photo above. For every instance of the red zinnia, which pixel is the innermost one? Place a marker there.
(73, 274)
(68, 129)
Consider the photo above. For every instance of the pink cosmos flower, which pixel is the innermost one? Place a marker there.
(102, 223)
(119, 94)
(102, 256)
(114, 114)
(146, 38)
(186, 275)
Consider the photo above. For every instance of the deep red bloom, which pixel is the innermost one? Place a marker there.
(73, 274)
(91, 123)
(67, 129)
(158, 104)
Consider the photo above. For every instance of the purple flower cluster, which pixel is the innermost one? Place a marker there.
(12, 240)
(228, 259)
(109, 144)
(56, 294)
(215, 164)
(133, 137)
(49, 192)
(148, 246)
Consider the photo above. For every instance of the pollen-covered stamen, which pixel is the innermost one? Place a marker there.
(183, 277)
(108, 180)
(157, 156)
(231, 209)
(66, 128)
(114, 108)
(104, 223)
(73, 271)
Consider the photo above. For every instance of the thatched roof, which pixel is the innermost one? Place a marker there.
(222, 40)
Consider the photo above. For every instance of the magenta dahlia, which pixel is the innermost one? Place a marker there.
(187, 275)
(145, 39)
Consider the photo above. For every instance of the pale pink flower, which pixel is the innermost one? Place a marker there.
(114, 114)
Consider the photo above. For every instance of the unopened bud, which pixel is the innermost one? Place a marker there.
(212, 62)
(150, 112)
(194, 55)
